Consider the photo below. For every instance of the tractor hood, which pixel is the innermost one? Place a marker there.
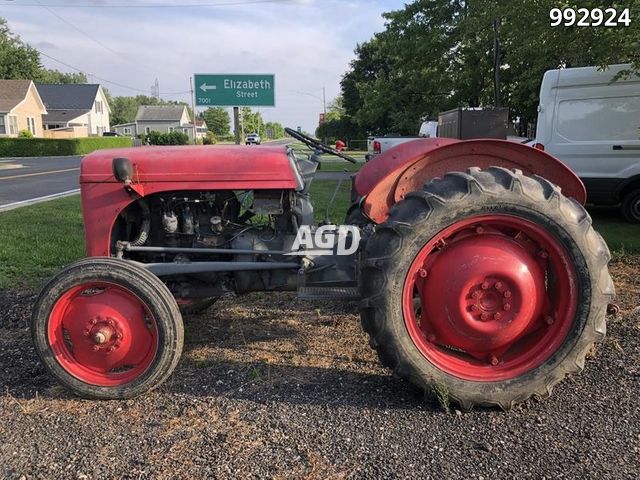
(237, 167)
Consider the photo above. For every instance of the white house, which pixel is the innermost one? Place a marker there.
(161, 119)
(77, 110)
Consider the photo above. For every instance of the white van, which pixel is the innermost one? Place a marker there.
(593, 125)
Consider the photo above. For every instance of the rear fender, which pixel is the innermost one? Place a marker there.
(458, 157)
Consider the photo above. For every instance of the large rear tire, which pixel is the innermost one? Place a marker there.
(107, 329)
(485, 288)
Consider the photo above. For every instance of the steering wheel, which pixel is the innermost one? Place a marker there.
(317, 144)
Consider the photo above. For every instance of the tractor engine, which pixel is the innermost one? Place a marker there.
(211, 226)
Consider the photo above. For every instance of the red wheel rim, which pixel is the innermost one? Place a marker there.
(102, 334)
(490, 298)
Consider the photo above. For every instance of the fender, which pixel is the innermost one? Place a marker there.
(386, 179)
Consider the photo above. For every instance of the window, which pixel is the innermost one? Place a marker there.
(147, 130)
(171, 129)
(127, 131)
(31, 124)
(98, 107)
(185, 130)
(13, 124)
(598, 119)
(3, 128)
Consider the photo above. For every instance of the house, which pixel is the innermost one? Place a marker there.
(162, 119)
(21, 108)
(74, 110)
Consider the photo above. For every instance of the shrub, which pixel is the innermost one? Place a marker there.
(209, 139)
(172, 138)
(25, 134)
(50, 147)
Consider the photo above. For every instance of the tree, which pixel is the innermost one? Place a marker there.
(17, 59)
(274, 130)
(438, 54)
(55, 76)
(124, 109)
(218, 121)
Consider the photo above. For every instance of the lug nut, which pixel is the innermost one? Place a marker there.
(486, 285)
(94, 321)
(498, 285)
(479, 230)
(476, 294)
(474, 308)
(506, 307)
(423, 273)
(96, 348)
(484, 316)
(497, 316)
(549, 319)
(87, 333)
(494, 360)
(543, 254)
(507, 294)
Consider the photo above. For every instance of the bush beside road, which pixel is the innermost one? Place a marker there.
(49, 147)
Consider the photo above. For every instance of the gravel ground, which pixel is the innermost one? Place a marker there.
(270, 387)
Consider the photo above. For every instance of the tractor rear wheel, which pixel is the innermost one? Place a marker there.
(485, 288)
(107, 329)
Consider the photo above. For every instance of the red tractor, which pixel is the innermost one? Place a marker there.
(478, 272)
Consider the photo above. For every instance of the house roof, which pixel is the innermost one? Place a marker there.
(71, 96)
(63, 116)
(12, 92)
(148, 113)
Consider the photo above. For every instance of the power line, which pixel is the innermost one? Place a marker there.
(109, 81)
(149, 5)
(77, 29)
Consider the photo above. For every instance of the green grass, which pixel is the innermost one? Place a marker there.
(622, 237)
(321, 192)
(36, 241)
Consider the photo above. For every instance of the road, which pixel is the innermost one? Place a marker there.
(26, 180)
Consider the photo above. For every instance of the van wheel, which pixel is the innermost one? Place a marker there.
(631, 206)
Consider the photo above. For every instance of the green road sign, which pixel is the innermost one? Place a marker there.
(235, 90)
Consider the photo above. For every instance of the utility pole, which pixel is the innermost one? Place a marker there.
(193, 107)
(236, 124)
(324, 106)
(496, 63)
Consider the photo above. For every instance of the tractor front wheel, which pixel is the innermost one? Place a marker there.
(107, 329)
(486, 287)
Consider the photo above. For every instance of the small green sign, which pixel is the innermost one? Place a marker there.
(232, 90)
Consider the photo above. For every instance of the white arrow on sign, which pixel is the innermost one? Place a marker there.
(205, 88)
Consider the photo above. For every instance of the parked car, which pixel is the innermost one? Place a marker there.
(592, 123)
(253, 139)
(111, 134)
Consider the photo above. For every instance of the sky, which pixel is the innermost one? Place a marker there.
(307, 44)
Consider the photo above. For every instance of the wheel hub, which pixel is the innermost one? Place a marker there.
(481, 294)
(105, 334)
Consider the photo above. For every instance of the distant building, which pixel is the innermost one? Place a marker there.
(74, 110)
(21, 108)
(162, 119)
